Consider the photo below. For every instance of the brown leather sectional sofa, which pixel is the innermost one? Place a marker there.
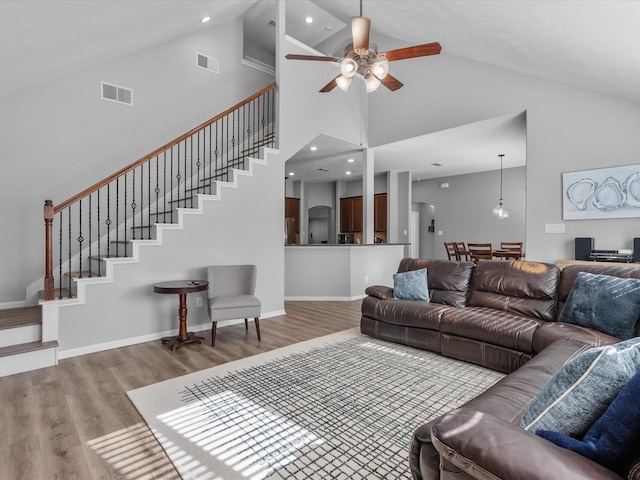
(502, 315)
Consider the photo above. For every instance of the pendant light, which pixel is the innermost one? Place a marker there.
(500, 212)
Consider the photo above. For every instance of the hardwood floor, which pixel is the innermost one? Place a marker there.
(74, 420)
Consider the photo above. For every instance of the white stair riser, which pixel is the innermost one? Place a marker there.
(19, 335)
(27, 361)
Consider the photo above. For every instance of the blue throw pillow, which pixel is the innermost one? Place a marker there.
(411, 285)
(613, 438)
(579, 393)
(605, 303)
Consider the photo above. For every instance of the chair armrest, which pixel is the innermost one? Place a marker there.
(380, 291)
(487, 447)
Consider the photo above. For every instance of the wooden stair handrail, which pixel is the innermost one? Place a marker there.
(158, 151)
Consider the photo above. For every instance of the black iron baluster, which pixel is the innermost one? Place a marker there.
(69, 247)
(118, 220)
(60, 258)
(90, 246)
(99, 255)
(198, 166)
(133, 206)
(124, 207)
(184, 199)
(157, 189)
(217, 166)
(178, 176)
(191, 172)
(164, 187)
(149, 197)
(108, 220)
(211, 173)
(80, 239)
(171, 178)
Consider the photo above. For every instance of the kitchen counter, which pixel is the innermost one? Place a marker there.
(339, 272)
(350, 245)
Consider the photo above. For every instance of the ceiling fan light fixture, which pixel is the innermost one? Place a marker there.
(380, 68)
(348, 67)
(343, 82)
(371, 83)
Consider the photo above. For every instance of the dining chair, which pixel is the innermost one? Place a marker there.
(461, 250)
(231, 295)
(451, 250)
(514, 248)
(480, 251)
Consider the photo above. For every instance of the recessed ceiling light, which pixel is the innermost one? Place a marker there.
(348, 173)
(313, 148)
(308, 19)
(351, 160)
(205, 19)
(291, 174)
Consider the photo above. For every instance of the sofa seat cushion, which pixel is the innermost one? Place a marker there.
(495, 327)
(407, 313)
(551, 332)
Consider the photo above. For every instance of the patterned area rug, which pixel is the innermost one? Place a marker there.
(340, 407)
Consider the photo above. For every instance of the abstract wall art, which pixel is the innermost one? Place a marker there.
(612, 192)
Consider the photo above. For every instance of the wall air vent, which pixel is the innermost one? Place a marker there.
(117, 94)
(208, 63)
(323, 170)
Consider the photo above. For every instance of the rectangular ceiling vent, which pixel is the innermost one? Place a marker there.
(208, 63)
(114, 93)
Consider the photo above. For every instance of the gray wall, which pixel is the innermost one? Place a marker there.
(568, 129)
(60, 137)
(127, 311)
(463, 212)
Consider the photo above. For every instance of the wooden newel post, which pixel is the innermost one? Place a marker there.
(48, 232)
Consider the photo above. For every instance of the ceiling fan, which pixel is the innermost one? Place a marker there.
(361, 56)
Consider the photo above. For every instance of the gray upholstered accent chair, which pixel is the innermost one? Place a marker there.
(231, 295)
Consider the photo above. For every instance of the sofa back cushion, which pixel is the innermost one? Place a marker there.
(568, 276)
(449, 281)
(521, 287)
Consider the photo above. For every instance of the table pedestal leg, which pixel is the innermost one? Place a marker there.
(183, 336)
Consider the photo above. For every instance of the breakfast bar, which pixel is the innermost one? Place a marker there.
(338, 272)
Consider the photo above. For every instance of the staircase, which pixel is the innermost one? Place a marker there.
(107, 224)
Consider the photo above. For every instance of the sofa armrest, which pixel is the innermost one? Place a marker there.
(380, 291)
(486, 447)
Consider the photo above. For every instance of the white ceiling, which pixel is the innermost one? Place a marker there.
(592, 44)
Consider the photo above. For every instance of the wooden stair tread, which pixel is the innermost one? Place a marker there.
(19, 317)
(56, 293)
(85, 274)
(26, 347)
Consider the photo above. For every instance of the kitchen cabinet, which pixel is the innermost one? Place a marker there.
(292, 210)
(351, 214)
(380, 212)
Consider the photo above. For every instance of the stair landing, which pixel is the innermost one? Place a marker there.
(21, 348)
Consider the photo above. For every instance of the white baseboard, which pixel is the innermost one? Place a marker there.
(19, 304)
(324, 299)
(125, 342)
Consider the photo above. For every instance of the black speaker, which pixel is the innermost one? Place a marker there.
(636, 250)
(583, 247)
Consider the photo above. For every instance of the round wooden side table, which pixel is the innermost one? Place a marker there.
(182, 288)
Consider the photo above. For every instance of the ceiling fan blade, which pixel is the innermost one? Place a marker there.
(318, 58)
(391, 82)
(330, 86)
(360, 28)
(415, 51)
